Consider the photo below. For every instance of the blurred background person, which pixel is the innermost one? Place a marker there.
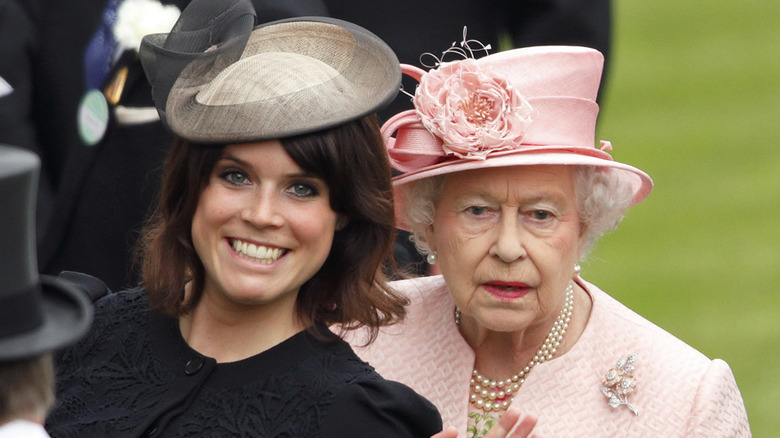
(414, 27)
(18, 44)
(38, 314)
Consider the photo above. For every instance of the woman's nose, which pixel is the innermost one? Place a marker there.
(263, 210)
(508, 245)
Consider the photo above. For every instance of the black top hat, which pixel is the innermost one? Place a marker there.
(38, 313)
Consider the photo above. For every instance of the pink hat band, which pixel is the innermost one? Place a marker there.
(557, 122)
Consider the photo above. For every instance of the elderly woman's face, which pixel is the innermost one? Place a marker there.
(507, 240)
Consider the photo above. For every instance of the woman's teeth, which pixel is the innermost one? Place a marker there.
(259, 253)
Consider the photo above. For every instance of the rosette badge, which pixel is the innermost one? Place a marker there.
(472, 109)
(137, 18)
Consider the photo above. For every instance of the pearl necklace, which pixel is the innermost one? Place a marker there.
(489, 395)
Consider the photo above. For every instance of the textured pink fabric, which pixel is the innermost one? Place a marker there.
(680, 392)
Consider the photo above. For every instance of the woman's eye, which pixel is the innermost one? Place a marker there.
(541, 215)
(235, 177)
(303, 190)
(477, 210)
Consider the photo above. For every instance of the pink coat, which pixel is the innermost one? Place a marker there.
(680, 392)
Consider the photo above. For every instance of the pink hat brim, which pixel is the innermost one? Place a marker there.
(639, 181)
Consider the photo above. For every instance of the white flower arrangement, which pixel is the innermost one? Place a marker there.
(137, 18)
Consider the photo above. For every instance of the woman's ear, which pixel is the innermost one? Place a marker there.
(583, 233)
(341, 222)
(429, 237)
(583, 230)
(582, 240)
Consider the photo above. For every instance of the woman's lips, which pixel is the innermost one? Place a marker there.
(506, 290)
(255, 252)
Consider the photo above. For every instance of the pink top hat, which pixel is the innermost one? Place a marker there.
(521, 107)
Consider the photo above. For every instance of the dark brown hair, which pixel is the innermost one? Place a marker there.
(350, 288)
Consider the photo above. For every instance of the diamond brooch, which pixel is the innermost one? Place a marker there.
(619, 383)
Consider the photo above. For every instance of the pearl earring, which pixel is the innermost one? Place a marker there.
(577, 270)
(431, 259)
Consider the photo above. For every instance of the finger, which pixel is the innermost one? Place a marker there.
(450, 432)
(525, 427)
(510, 417)
(505, 424)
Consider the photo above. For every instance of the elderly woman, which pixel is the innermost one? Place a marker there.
(504, 191)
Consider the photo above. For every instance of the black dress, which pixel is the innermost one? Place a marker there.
(134, 375)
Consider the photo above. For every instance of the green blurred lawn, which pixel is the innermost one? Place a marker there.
(693, 98)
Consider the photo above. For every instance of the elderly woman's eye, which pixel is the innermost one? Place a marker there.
(477, 210)
(541, 215)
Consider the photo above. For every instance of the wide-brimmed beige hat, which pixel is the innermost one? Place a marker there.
(218, 79)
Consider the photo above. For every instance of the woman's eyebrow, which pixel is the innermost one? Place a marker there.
(554, 197)
(233, 158)
(243, 163)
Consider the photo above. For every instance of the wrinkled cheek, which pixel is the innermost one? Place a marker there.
(459, 279)
(450, 252)
(458, 260)
(568, 247)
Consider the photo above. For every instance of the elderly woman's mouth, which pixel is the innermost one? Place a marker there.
(257, 253)
(506, 290)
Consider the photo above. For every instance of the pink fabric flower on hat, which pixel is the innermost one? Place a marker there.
(471, 109)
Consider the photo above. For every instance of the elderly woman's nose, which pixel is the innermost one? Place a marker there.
(263, 210)
(508, 245)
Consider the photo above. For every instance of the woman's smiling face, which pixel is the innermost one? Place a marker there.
(507, 240)
(262, 226)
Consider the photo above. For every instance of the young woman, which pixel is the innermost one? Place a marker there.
(274, 220)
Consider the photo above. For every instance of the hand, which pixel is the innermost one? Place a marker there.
(505, 424)
(523, 426)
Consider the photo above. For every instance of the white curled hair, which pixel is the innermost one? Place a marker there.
(602, 199)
